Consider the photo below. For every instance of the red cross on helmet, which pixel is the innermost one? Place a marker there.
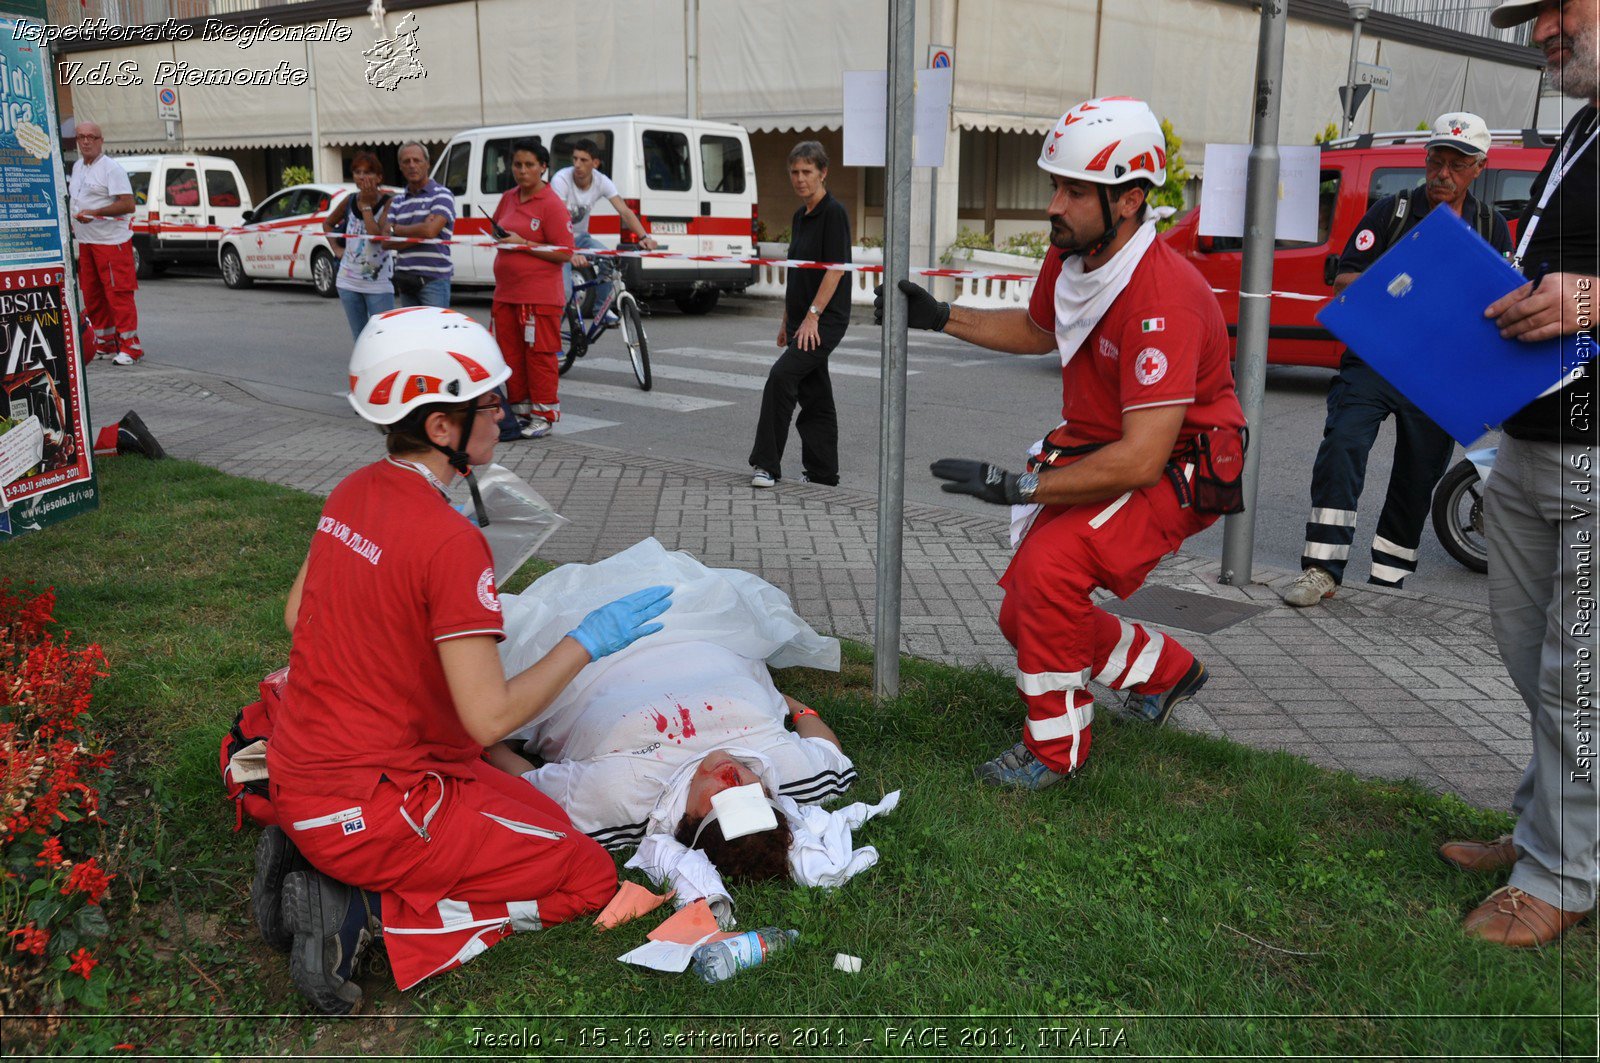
(418, 355)
(1107, 141)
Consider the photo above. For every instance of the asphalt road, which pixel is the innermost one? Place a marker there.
(284, 344)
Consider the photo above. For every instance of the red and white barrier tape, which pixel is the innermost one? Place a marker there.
(785, 263)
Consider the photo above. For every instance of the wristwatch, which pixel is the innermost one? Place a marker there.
(1027, 486)
(815, 310)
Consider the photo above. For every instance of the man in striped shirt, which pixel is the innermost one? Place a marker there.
(423, 211)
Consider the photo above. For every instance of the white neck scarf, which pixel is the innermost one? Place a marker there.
(1082, 299)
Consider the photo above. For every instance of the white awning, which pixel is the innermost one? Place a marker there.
(1505, 96)
(555, 59)
(354, 111)
(1020, 63)
(780, 65)
(1425, 84)
(243, 114)
(126, 114)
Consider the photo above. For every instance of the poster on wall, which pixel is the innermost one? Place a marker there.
(46, 465)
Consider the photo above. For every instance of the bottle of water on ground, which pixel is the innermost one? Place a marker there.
(720, 960)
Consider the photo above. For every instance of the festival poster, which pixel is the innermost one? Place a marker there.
(46, 462)
(45, 471)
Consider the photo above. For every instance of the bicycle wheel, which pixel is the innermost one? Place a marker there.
(574, 343)
(633, 335)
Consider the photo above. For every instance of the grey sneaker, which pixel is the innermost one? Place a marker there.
(276, 859)
(331, 926)
(1155, 708)
(536, 428)
(762, 478)
(1313, 585)
(1019, 768)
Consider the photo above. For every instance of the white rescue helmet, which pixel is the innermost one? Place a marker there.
(1107, 141)
(419, 355)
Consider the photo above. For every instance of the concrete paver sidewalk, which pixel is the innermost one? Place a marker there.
(1380, 683)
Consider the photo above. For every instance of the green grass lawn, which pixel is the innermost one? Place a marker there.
(1186, 896)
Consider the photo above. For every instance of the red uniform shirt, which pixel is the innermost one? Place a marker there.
(1163, 342)
(392, 571)
(520, 277)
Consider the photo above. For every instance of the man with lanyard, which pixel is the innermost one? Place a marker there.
(424, 212)
(1359, 399)
(1149, 451)
(1539, 510)
(581, 186)
(102, 209)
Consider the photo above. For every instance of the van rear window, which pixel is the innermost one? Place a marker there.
(722, 164)
(666, 161)
(221, 189)
(140, 180)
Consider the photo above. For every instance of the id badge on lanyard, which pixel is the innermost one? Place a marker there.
(1557, 172)
(528, 331)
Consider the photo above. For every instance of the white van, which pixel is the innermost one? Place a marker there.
(182, 205)
(692, 183)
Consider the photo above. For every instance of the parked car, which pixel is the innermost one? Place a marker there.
(691, 182)
(182, 205)
(282, 240)
(1356, 173)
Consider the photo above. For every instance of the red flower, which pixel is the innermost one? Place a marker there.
(50, 855)
(33, 940)
(83, 963)
(87, 878)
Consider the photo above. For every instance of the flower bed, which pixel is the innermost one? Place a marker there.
(52, 840)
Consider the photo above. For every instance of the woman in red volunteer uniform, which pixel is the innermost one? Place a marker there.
(395, 688)
(528, 291)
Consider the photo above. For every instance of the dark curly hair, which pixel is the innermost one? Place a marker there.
(759, 857)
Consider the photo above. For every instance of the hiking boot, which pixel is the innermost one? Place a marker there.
(331, 924)
(276, 858)
(536, 428)
(1019, 768)
(1155, 708)
(1313, 585)
(134, 438)
(762, 478)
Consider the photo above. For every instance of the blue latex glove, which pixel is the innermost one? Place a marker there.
(615, 626)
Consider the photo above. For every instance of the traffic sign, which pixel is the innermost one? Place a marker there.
(167, 104)
(1361, 93)
(941, 56)
(1379, 77)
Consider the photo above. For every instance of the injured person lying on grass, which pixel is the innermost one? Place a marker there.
(652, 745)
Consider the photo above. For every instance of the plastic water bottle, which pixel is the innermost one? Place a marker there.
(720, 960)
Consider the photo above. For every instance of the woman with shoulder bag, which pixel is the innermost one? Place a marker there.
(365, 281)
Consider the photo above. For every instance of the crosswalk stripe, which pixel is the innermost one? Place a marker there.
(741, 381)
(834, 368)
(871, 354)
(572, 423)
(634, 397)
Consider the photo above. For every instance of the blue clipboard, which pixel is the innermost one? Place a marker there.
(1416, 316)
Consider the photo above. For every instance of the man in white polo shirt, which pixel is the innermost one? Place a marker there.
(102, 209)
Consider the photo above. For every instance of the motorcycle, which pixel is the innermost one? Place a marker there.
(1458, 509)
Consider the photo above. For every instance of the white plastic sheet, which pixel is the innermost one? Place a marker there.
(520, 520)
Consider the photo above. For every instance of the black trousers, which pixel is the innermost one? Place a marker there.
(799, 377)
(1358, 402)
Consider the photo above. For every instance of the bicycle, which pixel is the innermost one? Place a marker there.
(577, 333)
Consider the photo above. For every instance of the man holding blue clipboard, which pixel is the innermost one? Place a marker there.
(1539, 507)
(1360, 398)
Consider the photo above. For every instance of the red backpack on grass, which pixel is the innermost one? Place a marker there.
(244, 755)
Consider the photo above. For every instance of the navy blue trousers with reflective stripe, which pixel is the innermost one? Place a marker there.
(1358, 402)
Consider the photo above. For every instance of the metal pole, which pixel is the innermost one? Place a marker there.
(1350, 79)
(318, 170)
(691, 58)
(933, 217)
(892, 394)
(1255, 286)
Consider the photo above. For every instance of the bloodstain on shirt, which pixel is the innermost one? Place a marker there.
(687, 724)
(661, 721)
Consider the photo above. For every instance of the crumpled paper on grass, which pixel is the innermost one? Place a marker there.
(672, 944)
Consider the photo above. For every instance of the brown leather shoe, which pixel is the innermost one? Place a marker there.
(1512, 918)
(1480, 856)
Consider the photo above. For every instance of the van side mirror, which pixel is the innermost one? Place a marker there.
(1330, 269)
(249, 216)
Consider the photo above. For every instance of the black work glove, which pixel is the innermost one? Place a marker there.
(979, 479)
(922, 310)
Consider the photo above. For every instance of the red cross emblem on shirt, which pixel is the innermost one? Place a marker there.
(1149, 364)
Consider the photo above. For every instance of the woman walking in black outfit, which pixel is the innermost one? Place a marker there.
(816, 313)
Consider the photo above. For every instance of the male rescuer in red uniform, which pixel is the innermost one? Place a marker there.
(1149, 450)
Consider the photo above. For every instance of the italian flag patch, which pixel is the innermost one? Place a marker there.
(1153, 324)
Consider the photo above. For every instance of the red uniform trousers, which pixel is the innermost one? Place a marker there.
(107, 281)
(1062, 639)
(536, 366)
(460, 863)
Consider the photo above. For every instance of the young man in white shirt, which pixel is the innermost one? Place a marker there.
(102, 208)
(581, 186)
